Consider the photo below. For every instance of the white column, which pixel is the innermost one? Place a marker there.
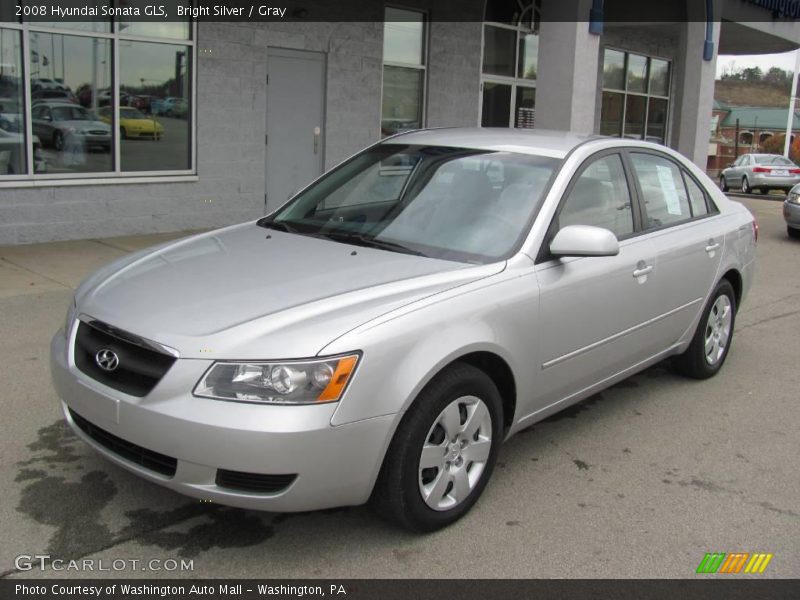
(566, 83)
(694, 93)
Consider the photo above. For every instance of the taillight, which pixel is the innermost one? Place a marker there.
(794, 171)
(755, 231)
(762, 170)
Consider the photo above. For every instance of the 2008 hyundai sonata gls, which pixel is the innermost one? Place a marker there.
(381, 334)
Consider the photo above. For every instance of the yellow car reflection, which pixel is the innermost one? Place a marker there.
(133, 123)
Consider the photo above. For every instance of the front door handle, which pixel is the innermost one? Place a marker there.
(643, 271)
(712, 245)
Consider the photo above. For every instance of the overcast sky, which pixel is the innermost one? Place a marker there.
(764, 61)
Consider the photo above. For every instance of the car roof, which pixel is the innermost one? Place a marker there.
(542, 142)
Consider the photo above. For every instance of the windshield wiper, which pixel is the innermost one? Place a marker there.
(368, 242)
(277, 225)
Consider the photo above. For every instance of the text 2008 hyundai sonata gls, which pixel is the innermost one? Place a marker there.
(381, 334)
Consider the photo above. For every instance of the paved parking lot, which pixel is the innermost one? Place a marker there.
(639, 481)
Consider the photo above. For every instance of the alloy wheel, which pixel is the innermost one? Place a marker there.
(455, 453)
(718, 329)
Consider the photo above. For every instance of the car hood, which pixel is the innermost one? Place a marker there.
(249, 292)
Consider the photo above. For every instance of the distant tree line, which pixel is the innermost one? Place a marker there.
(775, 76)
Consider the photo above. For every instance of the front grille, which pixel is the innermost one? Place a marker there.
(98, 132)
(139, 370)
(160, 463)
(253, 482)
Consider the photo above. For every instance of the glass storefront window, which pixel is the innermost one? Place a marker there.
(65, 70)
(402, 106)
(634, 117)
(614, 70)
(496, 105)
(510, 63)
(12, 113)
(659, 77)
(403, 39)
(635, 101)
(402, 100)
(154, 117)
(74, 98)
(611, 119)
(499, 49)
(528, 56)
(637, 73)
(526, 111)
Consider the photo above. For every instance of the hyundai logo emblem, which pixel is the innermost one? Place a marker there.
(107, 360)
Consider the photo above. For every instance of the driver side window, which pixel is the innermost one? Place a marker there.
(600, 197)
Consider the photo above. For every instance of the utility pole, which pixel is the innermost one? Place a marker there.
(792, 97)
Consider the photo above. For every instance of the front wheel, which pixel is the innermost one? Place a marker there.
(709, 347)
(443, 452)
(745, 186)
(723, 185)
(793, 233)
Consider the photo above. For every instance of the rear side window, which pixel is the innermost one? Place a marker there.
(697, 199)
(663, 192)
(600, 197)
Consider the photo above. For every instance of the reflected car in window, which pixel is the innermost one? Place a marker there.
(133, 123)
(58, 124)
(10, 115)
(760, 173)
(380, 335)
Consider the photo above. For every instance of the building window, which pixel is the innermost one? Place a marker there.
(95, 99)
(635, 100)
(404, 51)
(509, 65)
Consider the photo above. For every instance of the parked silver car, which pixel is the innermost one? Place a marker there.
(63, 124)
(760, 172)
(791, 212)
(381, 334)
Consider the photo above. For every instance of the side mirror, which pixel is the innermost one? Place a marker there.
(729, 165)
(584, 240)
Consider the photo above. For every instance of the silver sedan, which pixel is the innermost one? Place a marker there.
(791, 212)
(761, 173)
(379, 336)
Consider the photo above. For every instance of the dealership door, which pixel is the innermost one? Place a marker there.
(295, 121)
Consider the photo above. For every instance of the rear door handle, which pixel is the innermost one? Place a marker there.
(643, 271)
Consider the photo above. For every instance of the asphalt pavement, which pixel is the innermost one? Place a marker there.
(639, 481)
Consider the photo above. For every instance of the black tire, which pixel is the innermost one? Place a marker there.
(763, 190)
(123, 134)
(793, 233)
(397, 496)
(723, 185)
(693, 363)
(58, 141)
(746, 186)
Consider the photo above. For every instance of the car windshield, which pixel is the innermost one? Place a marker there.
(773, 159)
(70, 113)
(452, 203)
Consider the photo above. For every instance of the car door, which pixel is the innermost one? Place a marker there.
(678, 219)
(594, 311)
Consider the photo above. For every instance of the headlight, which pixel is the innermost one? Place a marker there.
(794, 197)
(73, 308)
(289, 382)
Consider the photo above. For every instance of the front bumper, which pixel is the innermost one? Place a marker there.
(791, 213)
(335, 466)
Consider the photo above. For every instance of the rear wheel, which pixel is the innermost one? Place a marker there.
(793, 233)
(763, 190)
(723, 185)
(443, 452)
(709, 347)
(745, 186)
